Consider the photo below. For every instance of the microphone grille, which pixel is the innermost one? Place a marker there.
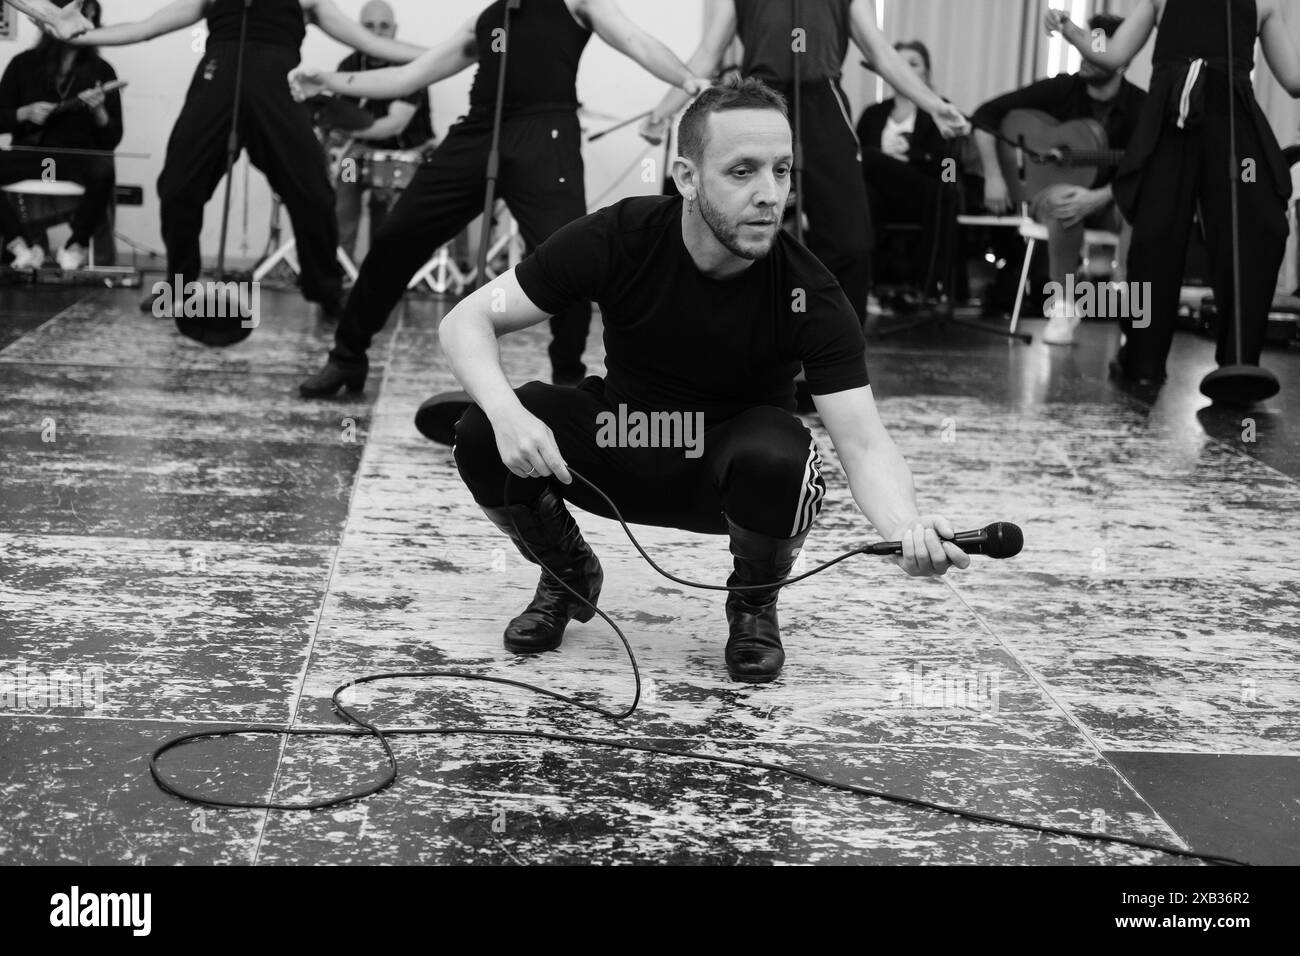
(1006, 540)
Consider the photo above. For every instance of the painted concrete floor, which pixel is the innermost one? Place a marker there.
(184, 544)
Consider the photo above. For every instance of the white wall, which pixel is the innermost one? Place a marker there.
(610, 86)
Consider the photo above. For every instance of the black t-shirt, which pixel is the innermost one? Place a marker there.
(277, 22)
(766, 29)
(546, 45)
(417, 133)
(677, 340)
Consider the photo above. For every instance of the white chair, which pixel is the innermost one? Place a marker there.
(1035, 232)
(51, 189)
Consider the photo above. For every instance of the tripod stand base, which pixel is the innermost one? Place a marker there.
(1240, 385)
(436, 420)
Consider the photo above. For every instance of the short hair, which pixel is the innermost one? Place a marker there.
(916, 46)
(732, 93)
(1106, 22)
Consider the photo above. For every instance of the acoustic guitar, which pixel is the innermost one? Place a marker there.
(1072, 153)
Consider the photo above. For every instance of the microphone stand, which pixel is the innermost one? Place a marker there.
(798, 130)
(494, 153)
(232, 150)
(1236, 384)
(436, 418)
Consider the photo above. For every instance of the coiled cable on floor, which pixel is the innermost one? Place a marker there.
(360, 727)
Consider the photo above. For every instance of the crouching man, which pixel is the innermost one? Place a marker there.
(709, 311)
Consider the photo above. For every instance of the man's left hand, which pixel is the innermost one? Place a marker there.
(928, 550)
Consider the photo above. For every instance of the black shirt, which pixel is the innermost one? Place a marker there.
(1066, 98)
(417, 133)
(927, 149)
(677, 340)
(277, 22)
(546, 44)
(25, 82)
(765, 28)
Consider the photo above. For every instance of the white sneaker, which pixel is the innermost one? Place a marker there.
(72, 258)
(26, 258)
(1061, 324)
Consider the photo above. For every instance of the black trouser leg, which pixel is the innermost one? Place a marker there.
(760, 469)
(1158, 252)
(196, 159)
(542, 183)
(835, 199)
(1263, 234)
(278, 134)
(442, 198)
(898, 192)
(99, 177)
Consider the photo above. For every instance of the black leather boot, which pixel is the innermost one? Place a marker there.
(546, 526)
(337, 373)
(754, 653)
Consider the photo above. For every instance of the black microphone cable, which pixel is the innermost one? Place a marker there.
(364, 728)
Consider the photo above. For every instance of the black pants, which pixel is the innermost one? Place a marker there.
(95, 173)
(541, 180)
(834, 197)
(899, 192)
(1187, 166)
(761, 469)
(278, 135)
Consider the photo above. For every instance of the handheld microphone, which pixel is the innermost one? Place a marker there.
(998, 540)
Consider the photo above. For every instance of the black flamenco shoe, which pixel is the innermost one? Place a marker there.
(328, 381)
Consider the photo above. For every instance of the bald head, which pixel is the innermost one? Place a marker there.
(377, 17)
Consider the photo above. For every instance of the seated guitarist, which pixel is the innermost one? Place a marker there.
(1092, 93)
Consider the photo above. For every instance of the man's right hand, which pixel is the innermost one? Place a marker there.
(35, 113)
(527, 447)
(997, 199)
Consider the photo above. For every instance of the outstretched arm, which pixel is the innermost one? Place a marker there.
(444, 60)
(175, 16)
(334, 23)
(885, 60)
(719, 31)
(882, 485)
(1113, 53)
(611, 25)
(1280, 47)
